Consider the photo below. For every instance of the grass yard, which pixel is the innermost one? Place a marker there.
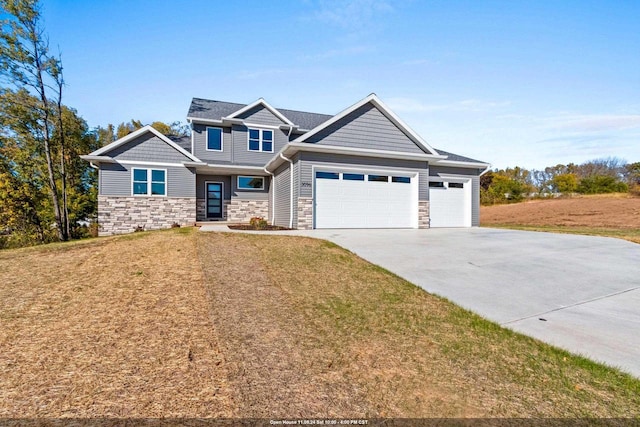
(608, 215)
(178, 323)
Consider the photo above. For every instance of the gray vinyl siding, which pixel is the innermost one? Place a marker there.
(249, 194)
(224, 179)
(261, 115)
(199, 135)
(241, 154)
(148, 148)
(308, 160)
(282, 188)
(366, 127)
(474, 174)
(115, 180)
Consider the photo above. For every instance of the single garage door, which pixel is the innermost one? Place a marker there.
(355, 199)
(450, 204)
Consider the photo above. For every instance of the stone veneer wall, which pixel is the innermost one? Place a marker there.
(118, 215)
(423, 214)
(305, 213)
(240, 210)
(201, 213)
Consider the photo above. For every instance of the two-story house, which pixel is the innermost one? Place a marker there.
(361, 168)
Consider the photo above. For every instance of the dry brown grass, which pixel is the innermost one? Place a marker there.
(114, 327)
(181, 324)
(310, 330)
(612, 215)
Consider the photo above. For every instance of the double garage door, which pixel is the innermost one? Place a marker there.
(356, 199)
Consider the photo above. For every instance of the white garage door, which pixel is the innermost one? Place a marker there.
(450, 204)
(365, 200)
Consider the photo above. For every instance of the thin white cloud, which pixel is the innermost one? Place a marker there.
(595, 122)
(267, 72)
(410, 105)
(353, 15)
(333, 53)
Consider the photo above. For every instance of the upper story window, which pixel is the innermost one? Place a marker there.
(149, 182)
(214, 139)
(261, 140)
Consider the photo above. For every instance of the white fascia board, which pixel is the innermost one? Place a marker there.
(294, 147)
(139, 132)
(373, 98)
(459, 164)
(266, 105)
(193, 164)
(204, 121)
(98, 159)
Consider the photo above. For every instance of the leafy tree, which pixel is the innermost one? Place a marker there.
(125, 129)
(633, 177)
(601, 184)
(27, 65)
(565, 183)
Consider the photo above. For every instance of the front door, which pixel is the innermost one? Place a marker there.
(214, 200)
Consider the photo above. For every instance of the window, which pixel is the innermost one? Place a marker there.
(214, 139)
(353, 177)
(402, 179)
(251, 182)
(327, 175)
(261, 140)
(436, 184)
(149, 182)
(456, 185)
(379, 178)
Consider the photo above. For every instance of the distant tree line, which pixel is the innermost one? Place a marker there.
(608, 175)
(47, 193)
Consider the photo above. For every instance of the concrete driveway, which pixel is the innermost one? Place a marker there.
(587, 289)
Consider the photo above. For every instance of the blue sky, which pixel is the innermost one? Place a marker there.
(512, 83)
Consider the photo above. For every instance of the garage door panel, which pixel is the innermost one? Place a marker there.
(364, 204)
(450, 206)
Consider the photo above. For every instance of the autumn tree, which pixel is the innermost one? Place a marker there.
(27, 65)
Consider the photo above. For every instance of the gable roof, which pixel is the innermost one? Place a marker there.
(208, 109)
(377, 103)
(263, 103)
(133, 135)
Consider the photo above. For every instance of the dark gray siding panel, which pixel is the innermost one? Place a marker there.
(250, 194)
(148, 148)
(241, 153)
(366, 127)
(199, 134)
(201, 179)
(474, 174)
(282, 188)
(341, 161)
(260, 115)
(115, 180)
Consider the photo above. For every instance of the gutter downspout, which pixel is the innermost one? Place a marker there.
(273, 196)
(290, 189)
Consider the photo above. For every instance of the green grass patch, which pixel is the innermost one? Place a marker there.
(630, 234)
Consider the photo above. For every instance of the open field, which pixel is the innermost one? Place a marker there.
(612, 215)
(177, 323)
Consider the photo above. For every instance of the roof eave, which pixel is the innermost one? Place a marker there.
(294, 147)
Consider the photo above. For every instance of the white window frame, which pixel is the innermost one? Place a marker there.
(252, 177)
(149, 182)
(261, 139)
(206, 144)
